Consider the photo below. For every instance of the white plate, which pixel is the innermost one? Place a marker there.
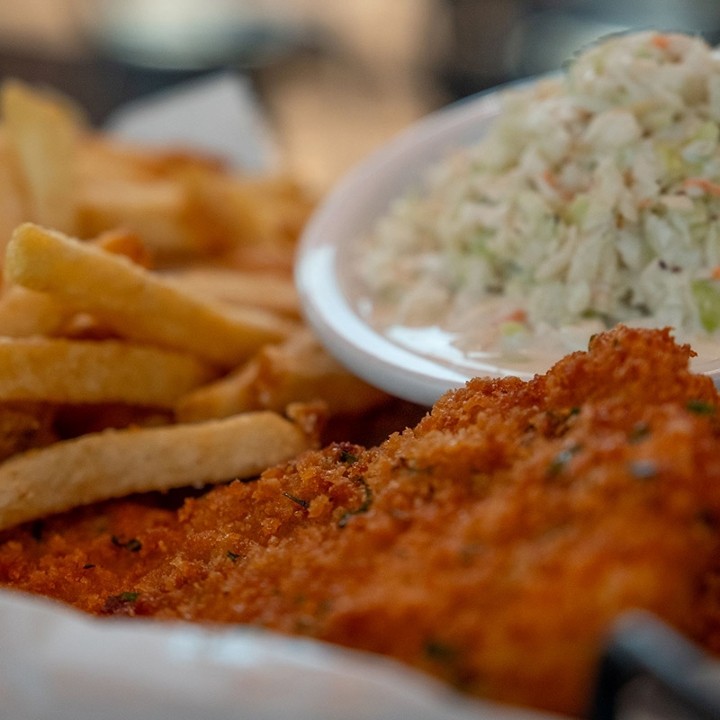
(325, 278)
(58, 664)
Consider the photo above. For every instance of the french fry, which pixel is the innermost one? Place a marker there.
(155, 210)
(115, 463)
(106, 157)
(24, 313)
(135, 303)
(270, 291)
(120, 241)
(85, 371)
(301, 370)
(298, 369)
(232, 394)
(43, 132)
(278, 206)
(160, 196)
(268, 214)
(162, 300)
(12, 202)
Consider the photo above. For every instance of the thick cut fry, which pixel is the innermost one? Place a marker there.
(163, 273)
(25, 312)
(298, 369)
(12, 205)
(109, 157)
(133, 302)
(270, 291)
(301, 369)
(232, 394)
(115, 463)
(43, 132)
(85, 371)
(154, 194)
(120, 241)
(156, 210)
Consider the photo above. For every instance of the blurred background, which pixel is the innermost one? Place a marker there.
(334, 80)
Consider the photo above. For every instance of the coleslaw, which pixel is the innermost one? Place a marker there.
(593, 199)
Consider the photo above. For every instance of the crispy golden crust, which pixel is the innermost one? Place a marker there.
(491, 545)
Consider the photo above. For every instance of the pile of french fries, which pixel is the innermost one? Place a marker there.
(150, 335)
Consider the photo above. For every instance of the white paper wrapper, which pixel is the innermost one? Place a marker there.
(59, 664)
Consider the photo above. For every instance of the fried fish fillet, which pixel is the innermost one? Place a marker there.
(490, 545)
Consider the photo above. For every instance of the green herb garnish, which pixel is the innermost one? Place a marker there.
(347, 457)
(363, 507)
(639, 432)
(133, 544)
(298, 501)
(700, 407)
(440, 652)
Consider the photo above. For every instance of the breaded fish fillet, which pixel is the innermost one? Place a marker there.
(491, 545)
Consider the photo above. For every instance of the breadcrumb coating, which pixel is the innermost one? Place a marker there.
(491, 545)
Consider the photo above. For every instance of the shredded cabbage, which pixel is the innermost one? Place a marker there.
(594, 197)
